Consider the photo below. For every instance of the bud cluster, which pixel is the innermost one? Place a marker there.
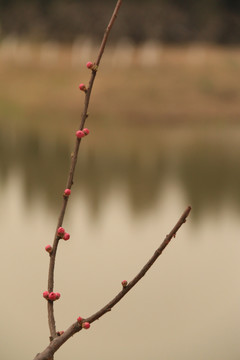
(62, 234)
(52, 296)
(82, 133)
(85, 324)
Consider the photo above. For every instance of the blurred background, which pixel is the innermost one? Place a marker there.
(164, 134)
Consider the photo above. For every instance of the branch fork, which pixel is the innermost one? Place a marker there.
(58, 338)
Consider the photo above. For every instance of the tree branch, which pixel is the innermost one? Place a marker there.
(143, 271)
(76, 327)
(51, 318)
(57, 340)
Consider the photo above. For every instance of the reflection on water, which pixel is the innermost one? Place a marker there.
(141, 165)
(205, 166)
(129, 194)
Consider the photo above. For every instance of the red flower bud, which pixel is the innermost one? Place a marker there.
(124, 283)
(86, 325)
(59, 333)
(80, 134)
(45, 294)
(66, 236)
(82, 87)
(67, 192)
(48, 248)
(60, 231)
(89, 64)
(92, 66)
(58, 295)
(52, 296)
(86, 131)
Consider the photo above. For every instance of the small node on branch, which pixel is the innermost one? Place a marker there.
(92, 66)
(86, 325)
(48, 248)
(82, 87)
(124, 283)
(67, 192)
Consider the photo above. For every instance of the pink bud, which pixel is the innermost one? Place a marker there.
(82, 87)
(92, 66)
(86, 325)
(52, 296)
(61, 231)
(89, 64)
(48, 248)
(124, 283)
(80, 134)
(67, 192)
(59, 333)
(45, 294)
(66, 236)
(86, 131)
(58, 295)
(79, 319)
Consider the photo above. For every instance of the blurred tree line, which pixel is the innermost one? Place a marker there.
(167, 21)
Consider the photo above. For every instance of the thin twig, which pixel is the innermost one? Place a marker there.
(51, 318)
(76, 327)
(143, 271)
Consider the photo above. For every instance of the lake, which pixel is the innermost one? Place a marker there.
(133, 181)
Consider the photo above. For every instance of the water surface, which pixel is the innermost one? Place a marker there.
(130, 189)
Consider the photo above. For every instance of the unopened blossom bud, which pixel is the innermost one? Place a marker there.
(45, 294)
(58, 295)
(52, 296)
(80, 134)
(91, 66)
(66, 236)
(124, 283)
(60, 231)
(48, 248)
(86, 131)
(86, 325)
(59, 333)
(82, 87)
(67, 192)
(79, 319)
